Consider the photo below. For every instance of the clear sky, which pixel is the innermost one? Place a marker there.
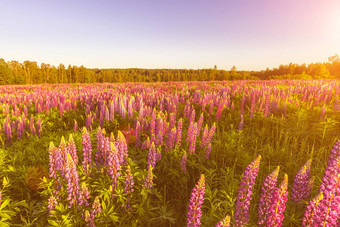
(250, 34)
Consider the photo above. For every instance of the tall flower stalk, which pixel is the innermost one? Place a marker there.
(196, 200)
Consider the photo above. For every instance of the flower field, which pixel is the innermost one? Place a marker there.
(226, 153)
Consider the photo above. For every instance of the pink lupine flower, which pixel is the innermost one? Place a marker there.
(52, 202)
(170, 141)
(199, 124)
(84, 195)
(312, 209)
(183, 162)
(153, 122)
(204, 137)
(192, 142)
(301, 188)
(267, 192)
(122, 148)
(148, 182)
(39, 130)
(179, 132)
(137, 134)
(152, 156)
(278, 204)
(196, 200)
(87, 151)
(72, 178)
(72, 149)
(114, 165)
(225, 222)
(245, 191)
(208, 151)
(128, 189)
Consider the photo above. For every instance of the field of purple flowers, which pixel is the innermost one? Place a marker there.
(227, 153)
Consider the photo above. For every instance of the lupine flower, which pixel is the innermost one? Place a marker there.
(245, 191)
(146, 144)
(199, 124)
(0, 198)
(89, 219)
(87, 150)
(149, 178)
(266, 107)
(152, 156)
(183, 162)
(204, 137)
(195, 204)
(114, 165)
(153, 122)
(328, 212)
(312, 209)
(122, 148)
(170, 141)
(322, 113)
(158, 154)
(52, 202)
(192, 142)
(129, 183)
(84, 195)
(72, 178)
(278, 204)
(138, 131)
(159, 130)
(225, 222)
(72, 149)
(100, 146)
(240, 126)
(179, 132)
(301, 187)
(39, 130)
(267, 192)
(96, 206)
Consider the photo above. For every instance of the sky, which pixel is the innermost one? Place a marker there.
(248, 34)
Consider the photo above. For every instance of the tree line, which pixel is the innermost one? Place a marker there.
(29, 72)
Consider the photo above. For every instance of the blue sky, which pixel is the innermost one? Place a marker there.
(250, 34)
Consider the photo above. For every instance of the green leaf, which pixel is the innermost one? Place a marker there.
(53, 223)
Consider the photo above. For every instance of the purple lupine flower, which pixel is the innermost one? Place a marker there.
(170, 141)
(193, 136)
(219, 111)
(245, 191)
(52, 161)
(172, 120)
(146, 144)
(148, 182)
(152, 156)
(328, 214)
(87, 151)
(210, 134)
(204, 137)
(88, 121)
(122, 148)
(84, 195)
(129, 183)
(312, 209)
(208, 151)
(114, 165)
(278, 204)
(39, 130)
(159, 130)
(72, 149)
(72, 178)
(137, 135)
(225, 222)
(183, 162)
(153, 122)
(96, 209)
(195, 204)
(89, 219)
(52, 202)
(266, 107)
(179, 132)
(301, 188)
(100, 146)
(267, 191)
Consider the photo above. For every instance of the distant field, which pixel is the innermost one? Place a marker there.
(171, 154)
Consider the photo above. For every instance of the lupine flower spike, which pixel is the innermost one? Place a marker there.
(195, 204)
(244, 193)
(225, 222)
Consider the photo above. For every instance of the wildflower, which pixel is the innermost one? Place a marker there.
(52, 202)
(312, 209)
(72, 181)
(114, 165)
(122, 148)
(39, 130)
(87, 150)
(179, 132)
(137, 135)
(207, 151)
(278, 204)
(225, 222)
(244, 193)
(195, 204)
(192, 142)
(72, 149)
(301, 187)
(267, 191)
(149, 178)
(84, 195)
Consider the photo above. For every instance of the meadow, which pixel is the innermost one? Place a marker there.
(217, 153)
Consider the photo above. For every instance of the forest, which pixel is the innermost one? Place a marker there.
(29, 72)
